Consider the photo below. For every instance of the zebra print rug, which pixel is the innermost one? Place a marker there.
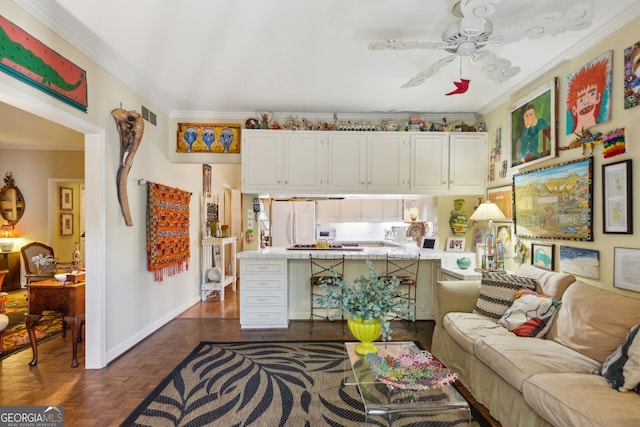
(266, 384)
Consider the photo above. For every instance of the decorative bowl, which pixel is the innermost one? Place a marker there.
(61, 277)
(410, 371)
(463, 263)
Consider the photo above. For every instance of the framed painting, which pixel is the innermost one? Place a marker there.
(580, 261)
(617, 198)
(501, 196)
(66, 224)
(589, 94)
(31, 61)
(532, 126)
(626, 268)
(542, 255)
(66, 198)
(455, 244)
(503, 230)
(208, 138)
(555, 202)
(631, 75)
(206, 181)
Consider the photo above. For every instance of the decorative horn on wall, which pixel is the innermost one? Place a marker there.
(130, 127)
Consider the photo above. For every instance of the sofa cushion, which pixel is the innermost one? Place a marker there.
(466, 328)
(580, 400)
(593, 321)
(530, 315)
(550, 283)
(622, 367)
(497, 291)
(517, 358)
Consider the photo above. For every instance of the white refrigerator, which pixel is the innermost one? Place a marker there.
(293, 223)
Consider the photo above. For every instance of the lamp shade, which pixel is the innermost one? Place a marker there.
(487, 211)
(7, 234)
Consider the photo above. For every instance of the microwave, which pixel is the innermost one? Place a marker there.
(325, 233)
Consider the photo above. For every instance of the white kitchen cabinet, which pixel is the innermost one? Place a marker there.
(261, 161)
(327, 211)
(263, 300)
(347, 162)
(350, 210)
(448, 163)
(387, 167)
(391, 210)
(370, 210)
(304, 161)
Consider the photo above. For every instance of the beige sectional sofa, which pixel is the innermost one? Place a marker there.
(552, 380)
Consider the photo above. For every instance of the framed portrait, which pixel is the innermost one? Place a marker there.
(626, 268)
(617, 198)
(208, 138)
(66, 198)
(580, 261)
(66, 224)
(542, 255)
(589, 94)
(501, 196)
(532, 126)
(206, 181)
(631, 75)
(555, 202)
(455, 244)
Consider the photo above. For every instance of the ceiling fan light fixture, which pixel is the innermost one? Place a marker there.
(466, 48)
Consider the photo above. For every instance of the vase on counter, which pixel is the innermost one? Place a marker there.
(365, 331)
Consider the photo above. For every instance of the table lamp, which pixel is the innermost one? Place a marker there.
(488, 211)
(7, 234)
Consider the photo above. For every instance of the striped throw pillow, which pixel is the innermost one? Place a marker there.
(497, 291)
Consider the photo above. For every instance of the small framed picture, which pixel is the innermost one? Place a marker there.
(66, 198)
(455, 244)
(542, 255)
(66, 224)
(617, 198)
(626, 268)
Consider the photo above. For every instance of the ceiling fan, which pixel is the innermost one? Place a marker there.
(472, 35)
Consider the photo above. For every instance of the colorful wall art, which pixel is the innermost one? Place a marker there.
(579, 261)
(589, 94)
(631, 75)
(555, 202)
(208, 138)
(26, 58)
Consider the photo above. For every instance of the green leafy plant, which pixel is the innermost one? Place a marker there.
(371, 297)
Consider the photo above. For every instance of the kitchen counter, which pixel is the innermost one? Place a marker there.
(367, 252)
(458, 273)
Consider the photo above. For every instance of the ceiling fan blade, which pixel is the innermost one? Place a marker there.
(577, 18)
(425, 74)
(497, 69)
(474, 13)
(405, 44)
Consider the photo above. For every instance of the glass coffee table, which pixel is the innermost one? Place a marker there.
(440, 404)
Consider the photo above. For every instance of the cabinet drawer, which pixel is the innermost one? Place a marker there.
(261, 284)
(263, 267)
(260, 317)
(264, 299)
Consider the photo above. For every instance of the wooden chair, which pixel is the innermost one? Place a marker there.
(31, 271)
(4, 319)
(323, 269)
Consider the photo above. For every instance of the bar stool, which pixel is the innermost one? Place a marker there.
(406, 271)
(323, 269)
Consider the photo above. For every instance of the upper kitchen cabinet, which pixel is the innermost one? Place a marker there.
(448, 163)
(347, 162)
(261, 154)
(388, 159)
(304, 162)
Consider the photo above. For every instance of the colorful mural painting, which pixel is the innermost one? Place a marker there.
(631, 75)
(208, 138)
(589, 94)
(26, 58)
(555, 202)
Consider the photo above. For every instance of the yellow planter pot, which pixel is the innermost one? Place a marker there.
(366, 332)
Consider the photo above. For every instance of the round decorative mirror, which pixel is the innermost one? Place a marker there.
(11, 201)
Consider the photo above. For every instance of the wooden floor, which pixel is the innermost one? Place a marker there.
(107, 396)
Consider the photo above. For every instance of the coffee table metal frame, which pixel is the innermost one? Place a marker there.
(379, 399)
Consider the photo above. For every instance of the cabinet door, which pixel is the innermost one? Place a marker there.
(347, 162)
(327, 211)
(468, 163)
(304, 166)
(391, 210)
(388, 154)
(370, 210)
(261, 161)
(350, 210)
(430, 163)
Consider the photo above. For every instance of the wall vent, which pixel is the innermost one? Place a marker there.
(148, 115)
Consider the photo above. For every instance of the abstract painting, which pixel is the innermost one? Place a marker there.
(631, 75)
(580, 261)
(208, 138)
(589, 94)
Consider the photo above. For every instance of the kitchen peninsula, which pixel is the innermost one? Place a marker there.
(275, 280)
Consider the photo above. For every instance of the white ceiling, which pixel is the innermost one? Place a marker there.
(242, 56)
